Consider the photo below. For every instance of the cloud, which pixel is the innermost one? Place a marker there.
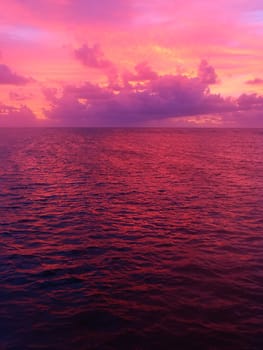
(250, 102)
(143, 72)
(8, 77)
(256, 81)
(71, 11)
(92, 57)
(88, 91)
(37, 37)
(206, 73)
(18, 96)
(154, 97)
(16, 116)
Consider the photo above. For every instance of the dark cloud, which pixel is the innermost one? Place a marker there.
(8, 77)
(256, 81)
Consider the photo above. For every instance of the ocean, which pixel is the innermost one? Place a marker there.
(131, 239)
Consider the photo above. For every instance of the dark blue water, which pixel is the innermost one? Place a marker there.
(131, 239)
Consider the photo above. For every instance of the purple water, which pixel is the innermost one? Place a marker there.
(131, 239)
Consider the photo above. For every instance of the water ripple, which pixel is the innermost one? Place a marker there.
(131, 239)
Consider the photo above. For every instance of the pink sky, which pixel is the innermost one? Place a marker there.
(131, 62)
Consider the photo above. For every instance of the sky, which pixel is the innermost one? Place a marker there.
(178, 63)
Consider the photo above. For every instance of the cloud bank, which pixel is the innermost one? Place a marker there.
(145, 96)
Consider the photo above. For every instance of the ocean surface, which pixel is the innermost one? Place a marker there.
(131, 239)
